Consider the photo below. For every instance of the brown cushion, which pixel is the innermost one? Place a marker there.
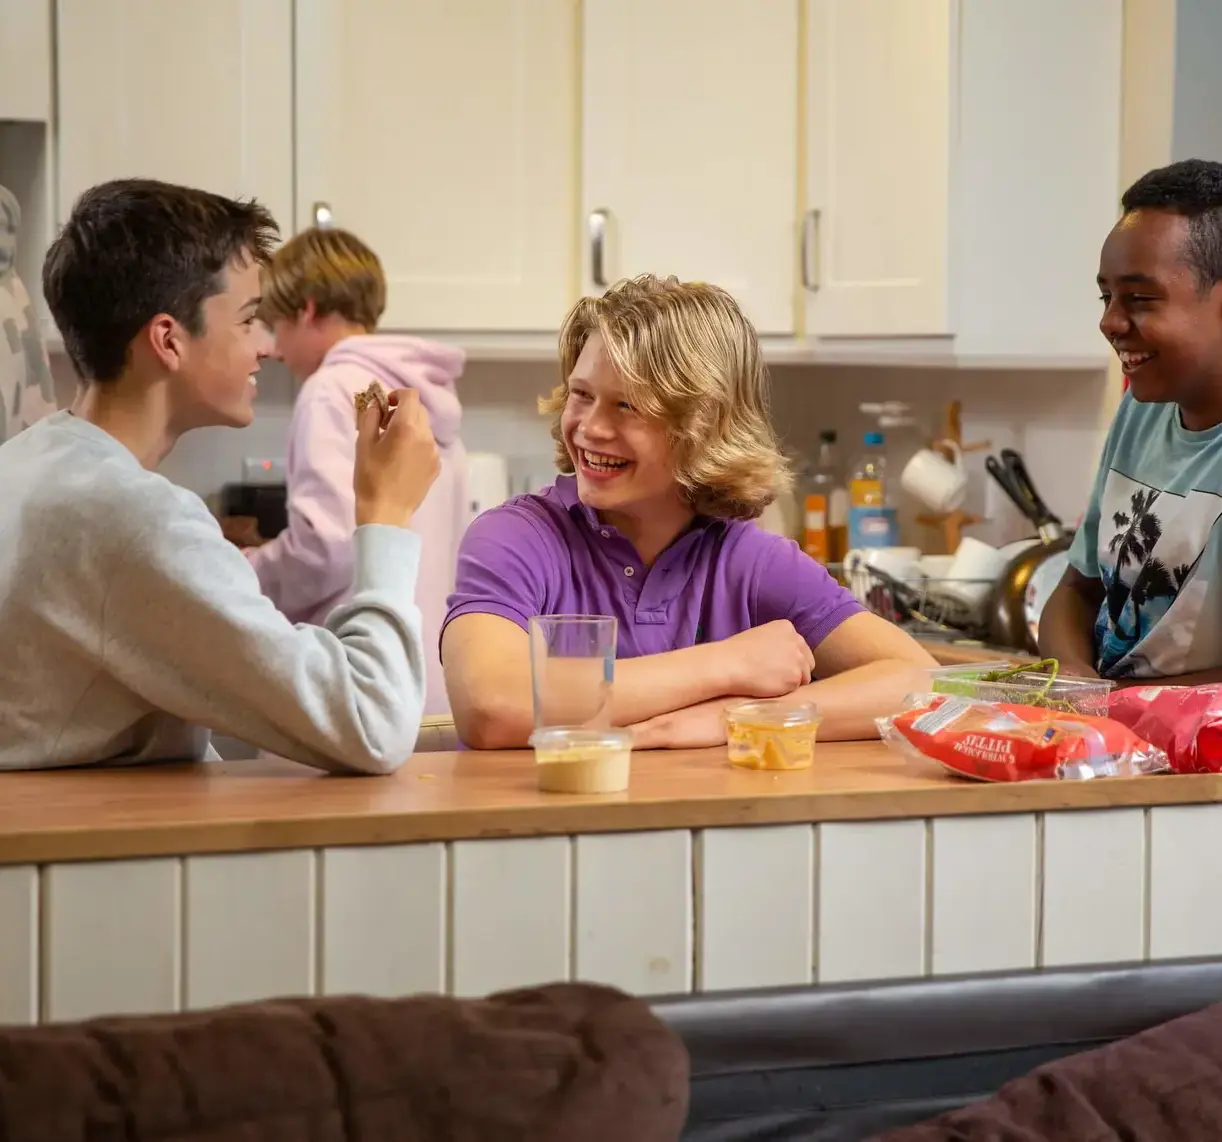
(567, 1061)
(1164, 1084)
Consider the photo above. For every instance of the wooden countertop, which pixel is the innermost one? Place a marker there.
(966, 652)
(245, 806)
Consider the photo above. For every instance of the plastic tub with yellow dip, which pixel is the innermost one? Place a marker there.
(772, 734)
(574, 760)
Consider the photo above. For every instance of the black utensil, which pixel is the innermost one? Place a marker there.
(1044, 515)
(1006, 482)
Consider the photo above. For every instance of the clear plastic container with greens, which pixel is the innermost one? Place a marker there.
(1025, 684)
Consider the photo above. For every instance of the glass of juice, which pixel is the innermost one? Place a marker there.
(572, 668)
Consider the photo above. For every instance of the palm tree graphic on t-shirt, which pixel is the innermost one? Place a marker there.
(1155, 552)
(1155, 581)
(1136, 534)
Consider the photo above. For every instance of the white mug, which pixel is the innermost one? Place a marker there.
(940, 484)
(974, 570)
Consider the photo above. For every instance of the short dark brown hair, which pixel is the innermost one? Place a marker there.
(134, 248)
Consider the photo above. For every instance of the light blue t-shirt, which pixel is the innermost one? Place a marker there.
(1150, 534)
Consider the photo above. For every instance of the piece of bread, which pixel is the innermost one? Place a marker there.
(375, 394)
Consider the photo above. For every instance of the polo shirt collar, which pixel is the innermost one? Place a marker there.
(566, 489)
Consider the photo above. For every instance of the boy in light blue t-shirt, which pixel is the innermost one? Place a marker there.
(1142, 597)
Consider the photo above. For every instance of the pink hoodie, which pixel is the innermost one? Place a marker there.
(307, 569)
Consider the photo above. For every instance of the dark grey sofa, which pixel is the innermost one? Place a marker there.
(843, 1063)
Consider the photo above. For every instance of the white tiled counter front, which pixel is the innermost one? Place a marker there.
(757, 881)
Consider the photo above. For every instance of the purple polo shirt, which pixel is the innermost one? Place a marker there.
(548, 554)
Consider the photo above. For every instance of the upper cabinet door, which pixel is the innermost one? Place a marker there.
(190, 91)
(444, 134)
(25, 60)
(691, 145)
(875, 236)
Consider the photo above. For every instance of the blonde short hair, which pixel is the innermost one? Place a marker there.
(689, 359)
(332, 268)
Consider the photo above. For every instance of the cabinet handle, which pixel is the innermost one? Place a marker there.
(812, 250)
(598, 246)
(323, 218)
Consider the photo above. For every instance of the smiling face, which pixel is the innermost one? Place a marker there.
(622, 461)
(1166, 329)
(214, 382)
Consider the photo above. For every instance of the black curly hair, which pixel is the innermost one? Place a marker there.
(1192, 188)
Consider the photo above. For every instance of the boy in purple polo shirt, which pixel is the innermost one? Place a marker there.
(667, 457)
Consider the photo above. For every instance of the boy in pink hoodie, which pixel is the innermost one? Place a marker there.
(323, 294)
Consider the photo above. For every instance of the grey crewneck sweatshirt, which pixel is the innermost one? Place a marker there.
(129, 626)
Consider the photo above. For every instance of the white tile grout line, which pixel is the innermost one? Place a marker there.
(41, 935)
(448, 921)
(446, 986)
(927, 919)
(816, 855)
(697, 960)
(1039, 890)
(571, 957)
(318, 907)
(184, 876)
(180, 931)
(1147, 883)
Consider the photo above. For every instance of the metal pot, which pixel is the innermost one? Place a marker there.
(1033, 573)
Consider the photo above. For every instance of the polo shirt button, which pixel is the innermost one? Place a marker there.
(605, 533)
(629, 571)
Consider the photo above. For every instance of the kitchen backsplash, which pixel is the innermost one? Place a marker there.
(1056, 419)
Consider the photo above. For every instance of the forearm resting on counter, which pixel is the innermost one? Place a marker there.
(848, 704)
(487, 665)
(1067, 624)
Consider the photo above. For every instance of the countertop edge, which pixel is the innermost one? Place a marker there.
(179, 838)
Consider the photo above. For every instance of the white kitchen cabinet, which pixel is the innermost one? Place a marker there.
(690, 146)
(25, 60)
(962, 161)
(189, 91)
(874, 239)
(444, 133)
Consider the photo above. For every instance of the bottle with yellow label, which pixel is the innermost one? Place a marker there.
(873, 521)
(825, 506)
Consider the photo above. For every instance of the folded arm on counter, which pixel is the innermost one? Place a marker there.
(487, 668)
(864, 670)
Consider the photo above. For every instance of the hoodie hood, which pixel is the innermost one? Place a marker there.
(402, 362)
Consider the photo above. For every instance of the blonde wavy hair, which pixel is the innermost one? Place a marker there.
(689, 360)
(332, 268)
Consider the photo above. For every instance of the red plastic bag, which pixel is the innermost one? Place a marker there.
(1183, 721)
(1003, 741)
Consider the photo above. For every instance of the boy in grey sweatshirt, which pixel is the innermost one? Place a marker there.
(130, 627)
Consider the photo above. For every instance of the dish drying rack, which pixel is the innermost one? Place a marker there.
(923, 607)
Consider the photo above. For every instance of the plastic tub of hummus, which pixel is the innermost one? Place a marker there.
(772, 734)
(572, 760)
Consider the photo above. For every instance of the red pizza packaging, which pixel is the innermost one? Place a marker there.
(1183, 721)
(1003, 741)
